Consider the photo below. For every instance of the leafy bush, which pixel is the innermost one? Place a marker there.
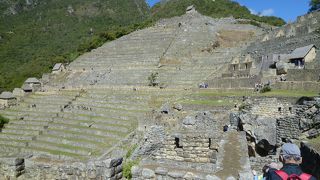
(127, 168)
(265, 89)
(153, 79)
(3, 121)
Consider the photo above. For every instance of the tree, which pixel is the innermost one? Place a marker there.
(314, 5)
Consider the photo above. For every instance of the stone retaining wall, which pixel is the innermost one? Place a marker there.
(303, 74)
(28, 169)
(11, 168)
(225, 83)
(189, 148)
(297, 85)
(288, 128)
(164, 173)
(257, 163)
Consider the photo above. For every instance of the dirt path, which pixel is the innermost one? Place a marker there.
(231, 158)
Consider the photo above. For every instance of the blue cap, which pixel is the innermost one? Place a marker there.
(290, 149)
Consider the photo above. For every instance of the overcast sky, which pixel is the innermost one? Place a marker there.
(286, 9)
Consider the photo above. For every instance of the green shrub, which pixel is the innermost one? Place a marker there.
(3, 121)
(265, 89)
(130, 151)
(127, 168)
(153, 79)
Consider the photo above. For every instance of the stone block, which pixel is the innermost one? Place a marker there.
(113, 162)
(12, 161)
(118, 169)
(161, 171)
(147, 173)
(188, 176)
(109, 172)
(212, 177)
(135, 171)
(176, 174)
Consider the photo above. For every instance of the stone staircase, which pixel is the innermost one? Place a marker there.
(74, 124)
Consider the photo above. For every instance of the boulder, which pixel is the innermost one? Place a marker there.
(199, 121)
(147, 173)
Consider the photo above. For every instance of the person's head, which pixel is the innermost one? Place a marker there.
(290, 153)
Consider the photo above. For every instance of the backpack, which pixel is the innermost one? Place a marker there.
(285, 176)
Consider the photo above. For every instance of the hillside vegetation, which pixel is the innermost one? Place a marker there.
(34, 34)
(33, 37)
(213, 8)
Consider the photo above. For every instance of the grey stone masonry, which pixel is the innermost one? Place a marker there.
(11, 167)
(288, 128)
(95, 169)
(189, 148)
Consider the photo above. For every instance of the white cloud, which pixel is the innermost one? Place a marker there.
(252, 11)
(267, 12)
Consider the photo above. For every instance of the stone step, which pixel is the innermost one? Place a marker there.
(30, 122)
(14, 137)
(12, 142)
(97, 122)
(25, 126)
(118, 114)
(22, 132)
(93, 124)
(54, 153)
(8, 150)
(60, 147)
(87, 130)
(84, 136)
(73, 142)
(70, 115)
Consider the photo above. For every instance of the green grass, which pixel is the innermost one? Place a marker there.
(56, 152)
(240, 93)
(207, 102)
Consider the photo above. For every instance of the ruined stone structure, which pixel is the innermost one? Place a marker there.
(290, 50)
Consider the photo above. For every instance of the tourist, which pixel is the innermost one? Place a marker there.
(290, 156)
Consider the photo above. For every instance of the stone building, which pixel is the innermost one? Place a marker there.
(7, 99)
(59, 67)
(303, 55)
(31, 85)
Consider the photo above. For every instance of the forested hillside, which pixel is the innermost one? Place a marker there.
(35, 34)
(213, 8)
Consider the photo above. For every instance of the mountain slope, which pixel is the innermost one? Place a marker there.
(212, 8)
(36, 34)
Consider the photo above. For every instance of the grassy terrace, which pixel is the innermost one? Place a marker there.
(239, 93)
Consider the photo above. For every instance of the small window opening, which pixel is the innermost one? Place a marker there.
(210, 142)
(234, 67)
(177, 142)
(279, 109)
(290, 109)
(246, 66)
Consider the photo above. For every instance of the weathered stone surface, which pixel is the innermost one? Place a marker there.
(200, 120)
(135, 171)
(212, 177)
(147, 173)
(161, 171)
(176, 174)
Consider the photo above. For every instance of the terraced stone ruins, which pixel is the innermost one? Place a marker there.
(102, 114)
